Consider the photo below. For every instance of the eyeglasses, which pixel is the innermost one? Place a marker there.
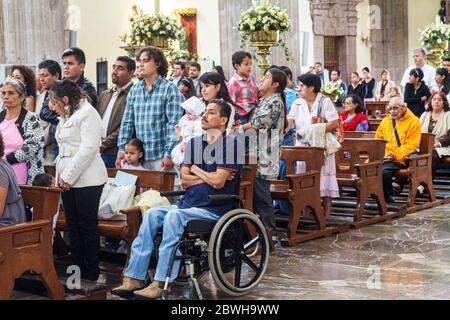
(394, 108)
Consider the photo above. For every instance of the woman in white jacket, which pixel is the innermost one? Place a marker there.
(81, 172)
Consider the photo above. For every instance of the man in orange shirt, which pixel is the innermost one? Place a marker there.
(402, 130)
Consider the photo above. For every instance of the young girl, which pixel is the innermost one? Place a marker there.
(190, 126)
(134, 155)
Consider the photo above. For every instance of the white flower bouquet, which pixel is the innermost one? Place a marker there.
(265, 18)
(436, 34)
(144, 27)
(334, 92)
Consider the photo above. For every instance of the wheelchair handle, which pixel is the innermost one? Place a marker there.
(173, 193)
(223, 197)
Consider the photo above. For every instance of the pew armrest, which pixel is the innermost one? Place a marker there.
(134, 219)
(29, 226)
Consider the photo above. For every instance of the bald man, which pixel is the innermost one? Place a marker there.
(402, 130)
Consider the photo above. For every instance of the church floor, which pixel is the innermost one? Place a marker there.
(408, 258)
(404, 259)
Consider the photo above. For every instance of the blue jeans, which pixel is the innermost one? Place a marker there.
(109, 160)
(173, 220)
(282, 205)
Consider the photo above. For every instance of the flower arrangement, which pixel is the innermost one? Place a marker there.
(334, 92)
(182, 55)
(145, 27)
(435, 34)
(265, 18)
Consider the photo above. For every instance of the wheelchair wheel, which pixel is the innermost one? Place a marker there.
(234, 266)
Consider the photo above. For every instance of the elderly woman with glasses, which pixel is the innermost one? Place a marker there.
(22, 133)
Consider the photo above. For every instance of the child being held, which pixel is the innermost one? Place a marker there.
(190, 126)
(134, 155)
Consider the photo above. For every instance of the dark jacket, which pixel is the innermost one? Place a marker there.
(360, 90)
(413, 98)
(109, 146)
(48, 115)
(370, 88)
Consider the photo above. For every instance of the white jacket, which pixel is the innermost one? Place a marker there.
(79, 138)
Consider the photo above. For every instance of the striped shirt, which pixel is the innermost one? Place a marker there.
(151, 116)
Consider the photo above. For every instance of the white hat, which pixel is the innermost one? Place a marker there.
(194, 105)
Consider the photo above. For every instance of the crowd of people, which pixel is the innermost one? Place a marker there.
(148, 121)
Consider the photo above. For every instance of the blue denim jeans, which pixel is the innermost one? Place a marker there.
(173, 220)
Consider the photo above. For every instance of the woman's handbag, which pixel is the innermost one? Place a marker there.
(115, 198)
(339, 132)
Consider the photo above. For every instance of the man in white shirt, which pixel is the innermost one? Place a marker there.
(419, 62)
(111, 106)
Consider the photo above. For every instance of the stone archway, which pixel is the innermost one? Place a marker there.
(339, 19)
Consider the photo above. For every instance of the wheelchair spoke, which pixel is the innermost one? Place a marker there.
(251, 243)
(250, 263)
(237, 273)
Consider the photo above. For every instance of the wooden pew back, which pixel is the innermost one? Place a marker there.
(373, 106)
(358, 151)
(156, 180)
(44, 201)
(312, 156)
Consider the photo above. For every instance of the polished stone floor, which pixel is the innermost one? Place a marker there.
(403, 259)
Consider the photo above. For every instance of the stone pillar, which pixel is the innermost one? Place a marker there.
(33, 30)
(390, 45)
(336, 18)
(230, 13)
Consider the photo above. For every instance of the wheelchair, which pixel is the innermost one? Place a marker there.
(235, 250)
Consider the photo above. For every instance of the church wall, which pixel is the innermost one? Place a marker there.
(420, 14)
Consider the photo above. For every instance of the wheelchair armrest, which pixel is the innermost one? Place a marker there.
(223, 197)
(171, 194)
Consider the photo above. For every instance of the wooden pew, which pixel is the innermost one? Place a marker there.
(374, 124)
(128, 230)
(359, 165)
(44, 201)
(302, 191)
(28, 246)
(246, 187)
(373, 106)
(418, 171)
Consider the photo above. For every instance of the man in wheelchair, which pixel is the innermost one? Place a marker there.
(210, 168)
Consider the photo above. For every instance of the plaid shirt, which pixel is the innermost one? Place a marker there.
(244, 93)
(151, 116)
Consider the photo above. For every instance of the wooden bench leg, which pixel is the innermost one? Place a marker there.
(50, 279)
(381, 203)
(294, 218)
(413, 185)
(6, 286)
(429, 187)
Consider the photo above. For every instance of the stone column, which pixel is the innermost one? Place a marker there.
(33, 30)
(336, 18)
(230, 12)
(390, 45)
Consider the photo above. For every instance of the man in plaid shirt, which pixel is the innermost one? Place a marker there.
(152, 112)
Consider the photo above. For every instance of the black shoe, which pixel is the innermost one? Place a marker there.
(389, 200)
